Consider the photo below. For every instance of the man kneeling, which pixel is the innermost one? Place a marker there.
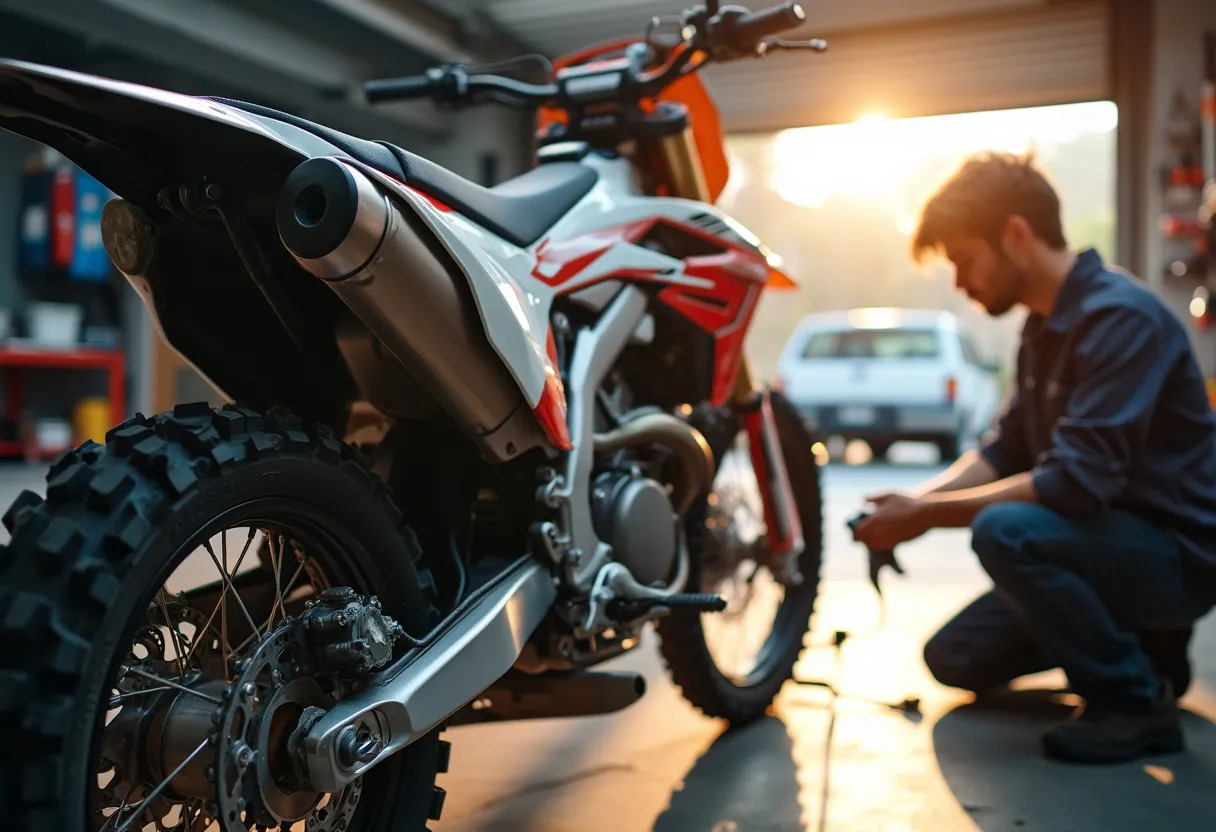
(1092, 503)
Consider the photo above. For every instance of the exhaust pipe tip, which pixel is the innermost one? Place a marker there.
(331, 217)
(317, 208)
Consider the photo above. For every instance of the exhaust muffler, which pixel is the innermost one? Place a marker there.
(375, 256)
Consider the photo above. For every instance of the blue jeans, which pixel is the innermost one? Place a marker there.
(1067, 593)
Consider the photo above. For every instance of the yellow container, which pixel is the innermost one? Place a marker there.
(91, 419)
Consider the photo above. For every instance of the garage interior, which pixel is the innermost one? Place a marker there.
(78, 354)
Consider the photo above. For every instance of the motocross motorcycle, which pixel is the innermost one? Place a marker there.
(236, 618)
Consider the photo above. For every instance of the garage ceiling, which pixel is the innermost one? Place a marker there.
(890, 56)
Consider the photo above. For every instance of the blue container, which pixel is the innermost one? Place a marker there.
(34, 247)
(90, 263)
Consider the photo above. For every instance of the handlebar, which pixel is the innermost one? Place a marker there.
(723, 34)
(398, 89)
(453, 85)
(747, 30)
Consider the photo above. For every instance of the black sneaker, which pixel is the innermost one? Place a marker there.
(1168, 651)
(1105, 732)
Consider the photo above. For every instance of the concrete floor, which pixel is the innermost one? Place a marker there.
(815, 764)
(849, 765)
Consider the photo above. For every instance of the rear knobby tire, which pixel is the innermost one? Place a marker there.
(82, 563)
(682, 636)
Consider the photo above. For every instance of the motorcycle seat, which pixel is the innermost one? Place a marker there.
(520, 210)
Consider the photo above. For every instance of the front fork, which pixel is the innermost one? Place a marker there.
(785, 540)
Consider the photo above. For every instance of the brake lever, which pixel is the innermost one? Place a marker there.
(769, 44)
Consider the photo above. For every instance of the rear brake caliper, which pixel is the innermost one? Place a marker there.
(349, 633)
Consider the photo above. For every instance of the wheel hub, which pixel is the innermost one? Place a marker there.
(176, 730)
(228, 751)
(157, 727)
(300, 669)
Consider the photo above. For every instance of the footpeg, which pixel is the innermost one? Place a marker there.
(627, 609)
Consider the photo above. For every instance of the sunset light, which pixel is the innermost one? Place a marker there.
(877, 155)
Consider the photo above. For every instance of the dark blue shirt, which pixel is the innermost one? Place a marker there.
(1110, 410)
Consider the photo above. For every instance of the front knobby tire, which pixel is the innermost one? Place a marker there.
(682, 633)
(84, 562)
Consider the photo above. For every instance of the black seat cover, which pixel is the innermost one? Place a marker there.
(519, 210)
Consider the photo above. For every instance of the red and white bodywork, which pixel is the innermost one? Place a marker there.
(598, 242)
(557, 362)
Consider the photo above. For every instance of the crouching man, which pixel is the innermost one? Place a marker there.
(1092, 504)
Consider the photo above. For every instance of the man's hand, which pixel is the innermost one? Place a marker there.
(897, 519)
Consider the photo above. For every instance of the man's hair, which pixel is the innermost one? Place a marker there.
(981, 196)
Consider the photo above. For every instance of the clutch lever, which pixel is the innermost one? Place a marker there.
(775, 44)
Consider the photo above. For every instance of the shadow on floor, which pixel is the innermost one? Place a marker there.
(746, 779)
(990, 757)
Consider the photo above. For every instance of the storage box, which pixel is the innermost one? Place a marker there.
(54, 324)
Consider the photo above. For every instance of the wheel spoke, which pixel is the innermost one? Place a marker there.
(189, 815)
(117, 816)
(145, 802)
(119, 698)
(165, 783)
(286, 592)
(282, 596)
(223, 603)
(198, 639)
(221, 607)
(173, 633)
(277, 560)
(172, 684)
(292, 583)
(228, 583)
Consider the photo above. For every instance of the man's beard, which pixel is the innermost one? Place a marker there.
(1006, 286)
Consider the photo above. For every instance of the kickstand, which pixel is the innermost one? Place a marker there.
(909, 705)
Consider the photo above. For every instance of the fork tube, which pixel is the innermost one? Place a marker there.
(683, 163)
(768, 461)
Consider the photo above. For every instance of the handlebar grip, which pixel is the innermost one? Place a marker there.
(751, 28)
(399, 89)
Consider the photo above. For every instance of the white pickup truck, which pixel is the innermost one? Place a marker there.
(884, 375)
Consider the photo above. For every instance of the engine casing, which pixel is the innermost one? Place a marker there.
(634, 515)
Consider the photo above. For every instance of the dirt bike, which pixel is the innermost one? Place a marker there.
(236, 618)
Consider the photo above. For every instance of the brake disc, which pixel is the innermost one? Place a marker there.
(299, 670)
(255, 774)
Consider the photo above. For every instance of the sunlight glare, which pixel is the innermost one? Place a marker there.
(1161, 774)
(876, 318)
(877, 155)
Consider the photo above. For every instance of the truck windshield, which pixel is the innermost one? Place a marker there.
(873, 343)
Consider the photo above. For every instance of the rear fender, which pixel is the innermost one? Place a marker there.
(145, 144)
(136, 139)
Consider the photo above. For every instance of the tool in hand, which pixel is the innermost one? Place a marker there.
(878, 557)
